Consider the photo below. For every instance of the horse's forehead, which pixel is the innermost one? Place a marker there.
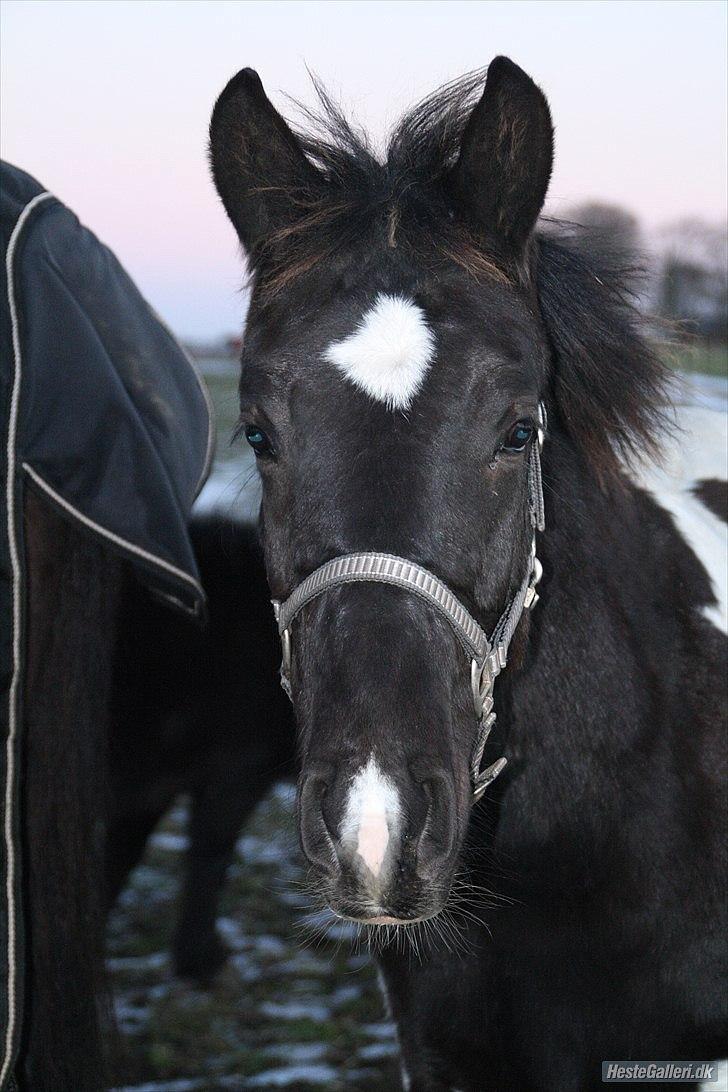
(388, 352)
(384, 341)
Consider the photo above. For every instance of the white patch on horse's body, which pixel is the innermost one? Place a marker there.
(371, 814)
(697, 451)
(389, 353)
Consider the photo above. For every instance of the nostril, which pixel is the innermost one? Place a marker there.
(437, 837)
(316, 840)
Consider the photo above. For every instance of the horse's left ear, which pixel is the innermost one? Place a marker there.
(503, 169)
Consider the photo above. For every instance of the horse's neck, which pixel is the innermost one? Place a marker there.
(612, 561)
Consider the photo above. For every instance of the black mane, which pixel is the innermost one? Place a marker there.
(403, 193)
(610, 384)
(421, 149)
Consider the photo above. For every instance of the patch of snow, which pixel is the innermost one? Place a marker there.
(173, 843)
(295, 1074)
(298, 1053)
(233, 489)
(183, 1084)
(375, 1052)
(344, 994)
(296, 1010)
(384, 1030)
(254, 850)
(153, 962)
(232, 933)
(246, 968)
(266, 945)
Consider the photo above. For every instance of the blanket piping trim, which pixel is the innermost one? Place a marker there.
(12, 864)
(117, 539)
(17, 598)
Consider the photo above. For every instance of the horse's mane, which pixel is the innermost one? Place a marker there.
(403, 190)
(609, 382)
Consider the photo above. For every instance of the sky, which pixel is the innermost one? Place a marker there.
(107, 102)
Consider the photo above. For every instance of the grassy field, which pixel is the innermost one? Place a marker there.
(222, 383)
(699, 359)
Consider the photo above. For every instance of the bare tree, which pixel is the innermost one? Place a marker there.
(615, 226)
(693, 276)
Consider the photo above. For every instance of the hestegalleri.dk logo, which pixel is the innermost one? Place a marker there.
(676, 1072)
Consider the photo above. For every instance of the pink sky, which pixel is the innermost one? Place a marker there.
(107, 103)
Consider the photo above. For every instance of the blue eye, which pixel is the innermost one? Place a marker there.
(258, 440)
(519, 436)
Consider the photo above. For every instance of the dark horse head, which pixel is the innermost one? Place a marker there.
(394, 361)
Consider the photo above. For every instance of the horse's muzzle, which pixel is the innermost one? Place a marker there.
(383, 847)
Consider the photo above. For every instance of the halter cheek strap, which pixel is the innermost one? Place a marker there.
(488, 655)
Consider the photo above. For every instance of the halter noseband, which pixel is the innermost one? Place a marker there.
(488, 655)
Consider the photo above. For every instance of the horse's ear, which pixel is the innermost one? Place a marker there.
(503, 169)
(258, 164)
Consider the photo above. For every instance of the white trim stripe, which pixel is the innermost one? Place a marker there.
(10, 1031)
(12, 955)
(110, 535)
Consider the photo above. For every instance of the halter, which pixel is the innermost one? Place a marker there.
(488, 655)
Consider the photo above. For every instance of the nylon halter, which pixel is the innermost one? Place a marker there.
(488, 655)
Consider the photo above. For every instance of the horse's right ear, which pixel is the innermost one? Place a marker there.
(258, 165)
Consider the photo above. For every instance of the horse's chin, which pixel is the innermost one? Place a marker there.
(386, 919)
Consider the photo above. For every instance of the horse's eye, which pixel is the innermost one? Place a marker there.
(258, 440)
(519, 436)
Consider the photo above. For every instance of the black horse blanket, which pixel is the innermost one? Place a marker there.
(102, 410)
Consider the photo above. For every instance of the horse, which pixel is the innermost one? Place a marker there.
(513, 786)
(184, 718)
(106, 441)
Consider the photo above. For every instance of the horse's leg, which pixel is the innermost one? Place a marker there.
(238, 778)
(126, 839)
(72, 598)
(219, 809)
